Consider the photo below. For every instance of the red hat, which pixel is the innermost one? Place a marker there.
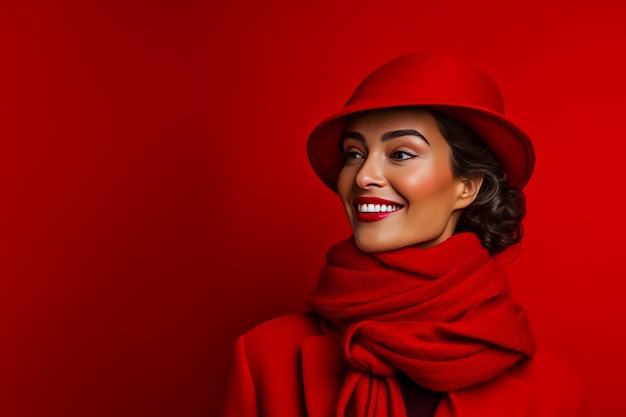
(440, 82)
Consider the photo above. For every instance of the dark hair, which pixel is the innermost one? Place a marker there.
(495, 215)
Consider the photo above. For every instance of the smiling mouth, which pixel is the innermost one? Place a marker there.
(377, 208)
(370, 209)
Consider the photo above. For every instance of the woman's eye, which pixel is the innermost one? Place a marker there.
(351, 155)
(401, 155)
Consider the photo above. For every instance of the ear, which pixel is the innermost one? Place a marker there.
(468, 190)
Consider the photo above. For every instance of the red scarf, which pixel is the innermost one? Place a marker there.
(443, 315)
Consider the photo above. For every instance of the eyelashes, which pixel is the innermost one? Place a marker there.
(399, 155)
(352, 155)
(402, 155)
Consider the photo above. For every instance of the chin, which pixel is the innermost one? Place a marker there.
(375, 242)
(374, 245)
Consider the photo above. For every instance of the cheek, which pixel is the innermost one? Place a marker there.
(344, 182)
(425, 182)
(344, 187)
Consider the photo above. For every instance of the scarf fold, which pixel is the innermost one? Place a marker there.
(444, 316)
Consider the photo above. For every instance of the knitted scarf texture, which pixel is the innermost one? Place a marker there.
(444, 316)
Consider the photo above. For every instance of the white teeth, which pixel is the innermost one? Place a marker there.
(377, 208)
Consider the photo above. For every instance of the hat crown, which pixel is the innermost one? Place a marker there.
(429, 78)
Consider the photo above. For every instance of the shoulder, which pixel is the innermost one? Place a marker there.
(273, 349)
(554, 384)
(291, 327)
(282, 335)
(545, 386)
(547, 368)
(266, 372)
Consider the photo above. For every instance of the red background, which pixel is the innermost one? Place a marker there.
(156, 200)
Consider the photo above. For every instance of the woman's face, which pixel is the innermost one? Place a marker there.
(397, 185)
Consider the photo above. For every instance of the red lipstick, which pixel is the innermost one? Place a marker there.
(372, 209)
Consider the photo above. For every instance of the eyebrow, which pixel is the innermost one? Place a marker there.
(387, 135)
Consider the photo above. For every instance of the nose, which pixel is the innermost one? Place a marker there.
(370, 174)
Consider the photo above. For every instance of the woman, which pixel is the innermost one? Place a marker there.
(412, 315)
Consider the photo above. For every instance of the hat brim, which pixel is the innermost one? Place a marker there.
(509, 142)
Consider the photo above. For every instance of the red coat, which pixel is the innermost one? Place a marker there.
(287, 367)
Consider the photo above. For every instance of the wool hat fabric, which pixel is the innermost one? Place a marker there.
(443, 83)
